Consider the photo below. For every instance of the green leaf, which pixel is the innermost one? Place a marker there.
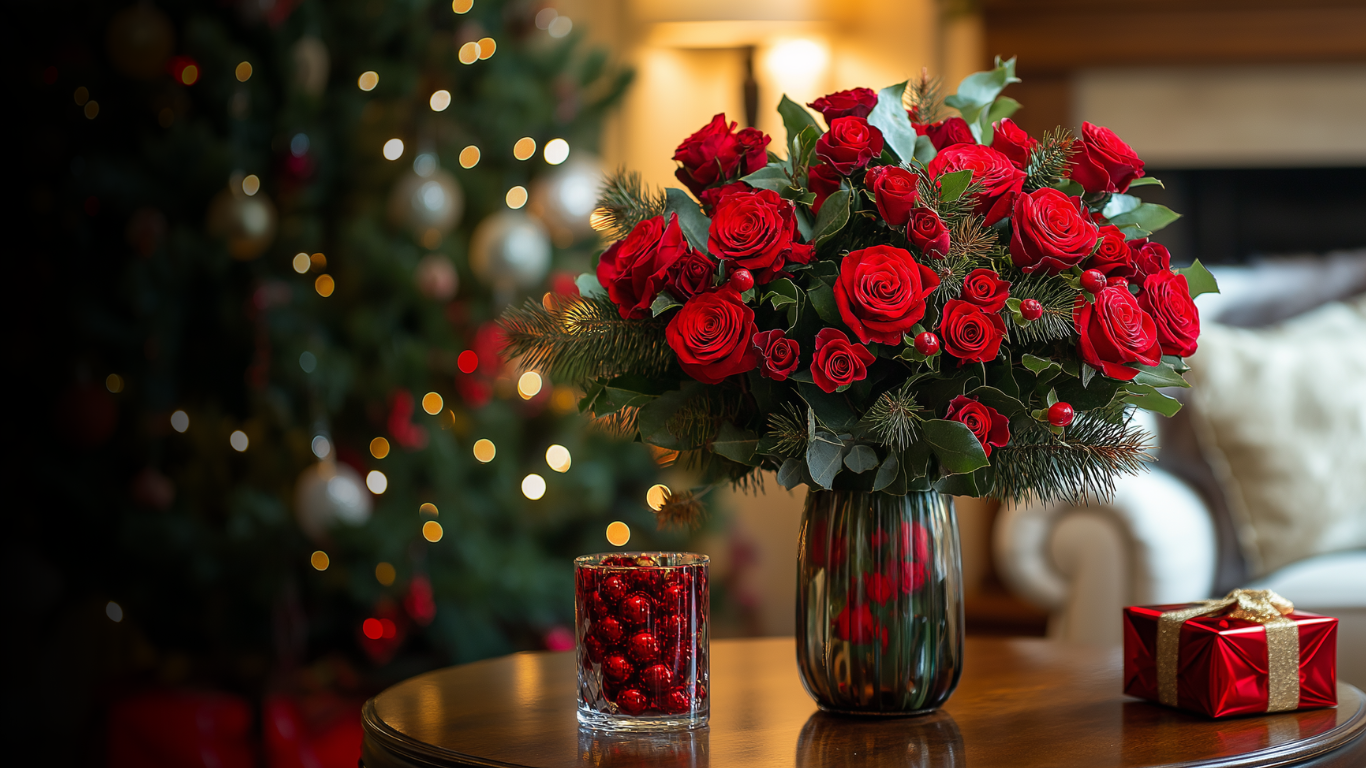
(1119, 204)
(822, 297)
(796, 119)
(825, 457)
(832, 409)
(690, 218)
(803, 147)
(833, 216)
(860, 459)
(791, 474)
(995, 398)
(1070, 188)
(978, 91)
(958, 485)
(589, 287)
(782, 293)
(772, 177)
(1133, 231)
(1146, 181)
(924, 149)
(957, 449)
(1149, 399)
(1176, 363)
(613, 399)
(1198, 279)
(1000, 109)
(889, 116)
(886, 474)
(952, 185)
(653, 419)
(736, 444)
(1160, 375)
(1037, 364)
(1149, 216)
(1102, 392)
(663, 303)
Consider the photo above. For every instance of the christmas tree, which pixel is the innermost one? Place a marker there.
(285, 233)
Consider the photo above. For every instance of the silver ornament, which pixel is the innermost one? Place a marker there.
(565, 196)
(246, 222)
(311, 65)
(329, 493)
(510, 251)
(436, 277)
(426, 199)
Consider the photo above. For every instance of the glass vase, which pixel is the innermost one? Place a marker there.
(879, 602)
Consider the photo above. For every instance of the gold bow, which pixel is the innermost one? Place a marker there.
(1260, 605)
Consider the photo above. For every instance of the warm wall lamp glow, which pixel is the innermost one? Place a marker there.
(797, 59)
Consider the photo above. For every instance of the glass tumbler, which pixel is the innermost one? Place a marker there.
(640, 630)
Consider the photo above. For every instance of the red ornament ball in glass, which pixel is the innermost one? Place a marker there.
(632, 701)
(610, 631)
(635, 609)
(673, 600)
(1060, 414)
(1031, 309)
(676, 702)
(1092, 280)
(598, 607)
(613, 588)
(927, 344)
(643, 647)
(594, 648)
(741, 280)
(657, 678)
(616, 668)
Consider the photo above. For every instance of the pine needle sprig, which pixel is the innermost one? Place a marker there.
(970, 241)
(625, 201)
(949, 211)
(952, 271)
(1078, 467)
(1058, 299)
(789, 432)
(1049, 160)
(894, 418)
(683, 510)
(621, 424)
(924, 98)
(580, 338)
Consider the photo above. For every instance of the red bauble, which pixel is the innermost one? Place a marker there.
(1092, 280)
(648, 580)
(657, 678)
(1031, 309)
(635, 609)
(673, 600)
(632, 701)
(643, 647)
(616, 668)
(613, 588)
(741, 280)
(593, 648)
(1060, 414)
(671, 629)
(597, 607)
(610, 631)
(676, 702)
(927, 344)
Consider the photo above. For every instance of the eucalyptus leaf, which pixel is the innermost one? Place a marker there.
(736, 444)
(924, 149)
(1147, 181)
(887, 472)
(1149, 216)
(860, 459)
(1070, 188)
(830, 408)
(958, 485)
(1000, 109)
(1198, 279)
(889, 116)
(1149, 399)
(825, 457)
(791, 474)
(796, 118)
(694, 224)
(977, 92)
(589, 287)
(956, 447)
(833, 216)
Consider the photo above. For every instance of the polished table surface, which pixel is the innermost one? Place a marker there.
(1021, 702)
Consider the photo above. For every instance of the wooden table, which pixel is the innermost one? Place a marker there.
(1021, 703)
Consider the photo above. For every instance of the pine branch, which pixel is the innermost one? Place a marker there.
(1050, 160)
(625, 202)
(682, 511)
(924, 98)
(894, 418)
(621, 424)
(1057, 298)
(576, 339)
(1079, 467)
(949, 211)
(789, 431)
(952, 273)
(971, 241)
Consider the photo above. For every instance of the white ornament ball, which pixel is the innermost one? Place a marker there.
(436, 277)
(329, 493)
(510, 251)
(311, 65)
(424, 202)
(247, 223)
(565, 196)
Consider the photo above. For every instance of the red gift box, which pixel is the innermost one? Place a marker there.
(1225, 664)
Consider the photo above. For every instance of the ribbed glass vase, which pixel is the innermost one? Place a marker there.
(879, 602)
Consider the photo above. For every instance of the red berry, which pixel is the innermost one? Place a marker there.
(613, 588)
(1092, 280)
(1117, 282)
(1031, 309)
(643, 647)
(674, 599)
(1060, 414)
(658, 678)
(610, 631)
(635, 609)
(616, 668)
(677, 702)
(927, 344)
(592, 650)
(632, 701)
(741, 280)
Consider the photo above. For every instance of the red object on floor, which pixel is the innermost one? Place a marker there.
(181, 729)
(318, 731)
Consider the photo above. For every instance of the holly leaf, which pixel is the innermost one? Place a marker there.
(1148, 216)
(1198, 279)
(736, 444)
(1160, 375)
(589, 287)
(1146, 181)
(860, 459)
(796, 119)
(952, 185)
(782, 293)
(694, 224)
(825, 457)
(822, 297)
(833, 216)
(663, 303)
(1037, 364)
(791, 474)
(1149, 399)
(889, 116)
(957, 449)
(772, 177)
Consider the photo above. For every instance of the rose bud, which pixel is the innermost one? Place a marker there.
(896, 191)
(849, 144)
(855, 102)
(1011, 141)
(928, 233)
(947, 133)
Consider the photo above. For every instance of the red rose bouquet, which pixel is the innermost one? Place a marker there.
(903, 300)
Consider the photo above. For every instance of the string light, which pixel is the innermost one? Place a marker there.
(180, 421)
(533, 486)
(376, 482)
(319, 560)
(469, 53)
(393, 149)
(379, 447)
(563, 400)
(239, 441)
(81, 96)
(529, 385)
(300, 263)
(308, 361)
(524, 148)
(484, 450)
(657, 496)
(251, 184)
(469, 156)
(322, 447)
(467, 361)
(92, 109)
(427, 508)
(486, 47)
(557, 458)
(556, 151)
(114, 383)
(114, 611)
(440, 101)
(243, 72)
(184, 70)
(385, 573)
(462, 6)
(618, 533)
(431, 531)
(368, 80)
(516, 197)
(324, 285)
(318, 261)
(431, 403)
(372, 628)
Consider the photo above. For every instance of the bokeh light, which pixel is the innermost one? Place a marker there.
(516, 197)
(431, 531)
(618, 533)
(324, 285)
(557, 458)
(469, 156)
(385, 573)
(239, 441)
(318, 261)
(180, 421)
(484, 450)
(533, 486)
(563, 400)
(556, 151)
(319, 560)
(368, 80)
(92, 110)
(469, 53)
(114, 611)
(300, 263)
(440, 100)
(114, 383)
(560, 27)
(657, 496)
(243, 72)
(322, 447)
(308, 362)
(529, 385)
(251, 184)
(372, 628)
(427, 508)
(376, 482)
(524, 148)
(462, 6)
(379, 447)
(393, 149)
(486, 47)
(431, 403)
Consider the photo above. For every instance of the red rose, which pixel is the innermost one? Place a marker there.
(712, 336)
(1011, 141)
(756, 229)
(855, 624)
(635, 269)
(823, 181)
(970, 334)
(691, 275)
(1115, 331)
(1151, 258)
(849, 144)
(1104, 163)
(986, 289)
(1050, 231)
(716, 153)
(713, 195)
(777, 354)
(911, 575)
(1113, 258)
(837, 362)
(855, 102)
(1001, 181)
(915, 542)
(881, 292)
(990, 427)
(895, 190)
(928, 233)
(946, 133)
(1167, 297)
(880, 587)
(751, 150)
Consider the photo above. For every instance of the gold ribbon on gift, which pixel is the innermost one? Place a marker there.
(1260, 605)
